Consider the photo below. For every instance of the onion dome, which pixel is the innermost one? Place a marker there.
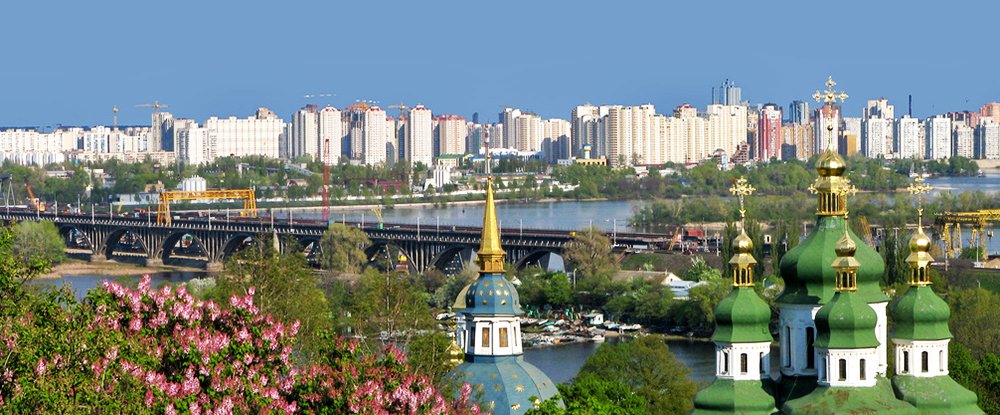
(742, 317)
(920, 314)
(846, 322)
(492, 294)
(742, 244)
(830, 164)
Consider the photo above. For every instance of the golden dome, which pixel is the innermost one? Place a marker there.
(743, 244)
(920, 242)
(830, 164)
(846, 246)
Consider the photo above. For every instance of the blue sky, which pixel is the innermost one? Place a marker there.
(70, 62)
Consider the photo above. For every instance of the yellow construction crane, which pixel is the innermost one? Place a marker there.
(866, 231)
(248, 196)
(977, 220)
(378, 215)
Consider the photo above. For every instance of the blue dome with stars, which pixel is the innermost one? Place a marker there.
(492, 294)
(505, 384)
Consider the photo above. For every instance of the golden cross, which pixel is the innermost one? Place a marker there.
(830, 96)
(918, 188)
(741, 189)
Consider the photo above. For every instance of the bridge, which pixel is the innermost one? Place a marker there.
(210, 240)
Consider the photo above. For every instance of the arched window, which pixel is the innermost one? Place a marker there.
(503, 337)
(924, 362)
(862, 372)
(810, 350)
(843, 370)
(743, 363)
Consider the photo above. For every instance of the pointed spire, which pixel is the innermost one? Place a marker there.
(920, 244)
(490, 255)
(846, 265)
(742, 262)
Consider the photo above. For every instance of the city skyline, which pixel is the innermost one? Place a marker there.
(229, 59)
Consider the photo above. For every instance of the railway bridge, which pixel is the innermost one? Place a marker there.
(213, 239)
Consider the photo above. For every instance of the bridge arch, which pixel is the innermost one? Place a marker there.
(125, 238)
(539, 257)
(195, 245)
(236, 243)
(452, 259)
(387, 256)
(74, 238)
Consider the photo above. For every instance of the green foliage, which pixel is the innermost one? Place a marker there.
(973, 319)
(428, 354)
(973, 253)
(390, 308)
(649, 369)
(38, 244)
(285, 286)
(701, 271)
(981, 375)
(446, 294)
(343, 249)
(589, 253)
(590, 395)
(698, 312)
(894, 250)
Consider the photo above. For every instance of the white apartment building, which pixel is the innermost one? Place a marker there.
(331, 132)
(938, 138)
(827, 128)
(689, 132)
(302, 134)
(907, 137)
(452, 133)
(556, 139)
(727, 127)
(256, 135)
(420, 136)
(876, 136)
(195, 145)
(988, 139)
(963, 140)
(629, 132)
(526, 132)
(508, 139)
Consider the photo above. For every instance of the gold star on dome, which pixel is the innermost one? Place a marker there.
(519, 388)
(830, 96)
(497, 387)
(742, 188)
(918, 188)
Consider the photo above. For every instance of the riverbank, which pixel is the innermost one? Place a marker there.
(398, 205)
(73, 267)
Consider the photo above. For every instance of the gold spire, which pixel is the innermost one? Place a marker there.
(742, 261)
(920, 244)
(490, 255)
(845, 264)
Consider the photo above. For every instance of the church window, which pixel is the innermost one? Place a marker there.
(906, 361)
(486, 337)
(823, 371)
(862, 372)
(787, 350)
(810, 351)
(725, 362)
(924, 362)
(743, 363)
(763, 362)
(503, 337)
(843, 370)
(942, 365)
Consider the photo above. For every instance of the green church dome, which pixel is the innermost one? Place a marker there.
(846, 322)
(492, 294)
(809, 278)
(727, 396)
(921, 315)
(742, 317)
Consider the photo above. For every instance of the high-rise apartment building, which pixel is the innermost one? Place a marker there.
(161, 131)
(969, 118)
(907, 137)
(689, 131)
(588, 129)
(850, 137)
(331, 134)
(259, 135)
(508, 139)
(527, 132)
(452, 134)
(988, 139)
(826, 128)
(798, 141)
(302, 134)
(630, 139)
(726, 127)
(963, 141)
(798, 112)
(768, 143)
(730, 94)
(938, 138)
(876, 137)
(556, 139)
(420, 136)
(195, 146)
(991, 110)
(879, 108)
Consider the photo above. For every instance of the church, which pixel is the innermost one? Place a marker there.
(833, 331)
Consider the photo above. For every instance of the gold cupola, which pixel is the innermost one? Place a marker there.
(846, 266)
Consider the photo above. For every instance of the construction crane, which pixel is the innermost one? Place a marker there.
(326, 180)
(866, 231)
(977, 220)
(115, 110)
(674, 238)
(156, 105)
(377, 210)
(402, 108)
(248, 196)
(34, 201)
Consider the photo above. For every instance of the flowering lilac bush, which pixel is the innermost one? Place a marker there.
(165, 351)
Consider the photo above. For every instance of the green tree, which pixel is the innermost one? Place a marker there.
(648, 367)
(284, 286)
(558, 292)
(698, 312)
(343, 248)
(390, 307)
(428, 354)
(701, 271)
(38, 244)
(973, 319)
(589, 253)
(590, 395)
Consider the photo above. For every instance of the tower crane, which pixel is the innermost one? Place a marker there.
(156, 105)
(115, 119)
(34, 201)
(401, 107)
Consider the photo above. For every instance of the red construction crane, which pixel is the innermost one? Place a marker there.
(326, 180)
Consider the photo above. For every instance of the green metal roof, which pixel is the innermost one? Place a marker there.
(846, 322)
(921, 315)
(742, 317)
(878, 399)
(727, 396)
(809, 278)
(936, 395)
(492, 294)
